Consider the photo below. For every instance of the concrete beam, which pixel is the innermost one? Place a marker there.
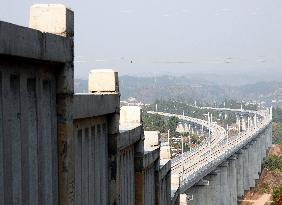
(129, 137)
(91, 105)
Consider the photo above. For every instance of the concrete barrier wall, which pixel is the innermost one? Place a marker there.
(57, 147)
(28, 139)
(126, 176)
(91, 161)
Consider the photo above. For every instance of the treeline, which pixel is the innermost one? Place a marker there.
(277, 125)
(177, 107)
(160, 123)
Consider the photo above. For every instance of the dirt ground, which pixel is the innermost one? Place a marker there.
(261, 194)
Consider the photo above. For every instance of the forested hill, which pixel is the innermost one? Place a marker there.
(147, 89)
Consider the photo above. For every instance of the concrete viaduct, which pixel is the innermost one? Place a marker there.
(221, 169)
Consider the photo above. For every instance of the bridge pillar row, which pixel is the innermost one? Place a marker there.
(232, 180)
(213, 192)
(251, 164)
(245, 168)
(240, 174)
(224, 186)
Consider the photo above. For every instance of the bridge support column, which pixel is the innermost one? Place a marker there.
(264, 144)
(240, 174)
(259, 154)
(256, 159)
(213, 192)
(251, 164)
(269, 136)
(197, 191)
(232, 180)
(246, 167)
(224, 186)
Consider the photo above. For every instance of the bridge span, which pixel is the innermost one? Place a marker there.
(221, 168)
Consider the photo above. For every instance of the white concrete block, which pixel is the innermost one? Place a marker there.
(175, 180)
(151, 138)
(52, 18)
(103, 80)
(183, 199)
(165, 152)
(130, 114)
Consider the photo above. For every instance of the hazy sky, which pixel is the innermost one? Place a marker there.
(171, 36)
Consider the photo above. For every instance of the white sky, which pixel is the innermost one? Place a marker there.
(171, 36)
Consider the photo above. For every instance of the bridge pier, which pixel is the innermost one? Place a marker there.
(213, 191)
(256, 159)
(240, 174)
(224, 186)
(232, 180)
(245, 168)
(251, 164)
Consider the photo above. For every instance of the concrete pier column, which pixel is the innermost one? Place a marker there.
(251, 154)
(246, 168)
(213, 190)
(224, 186)
(264, 144)
(191, 192)
(256, 159)
(240, 174)
(259, 155)
(232, 180)
(244, 126)
(202, 187)
(269, 136)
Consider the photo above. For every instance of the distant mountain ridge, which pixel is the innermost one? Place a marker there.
(148, 89)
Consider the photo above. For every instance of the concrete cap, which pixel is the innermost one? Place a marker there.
(164, 152)
(151, 138)
(103, 80)
(130, 114)
(52, 18)
(175, 180)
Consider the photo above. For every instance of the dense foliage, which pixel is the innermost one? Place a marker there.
(277, 196)
(277, 114)
(178, 107)
(273, 163)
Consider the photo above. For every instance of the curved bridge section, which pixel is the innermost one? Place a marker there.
(221, 168)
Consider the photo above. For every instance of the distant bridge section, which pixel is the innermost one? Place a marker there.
(221, 168)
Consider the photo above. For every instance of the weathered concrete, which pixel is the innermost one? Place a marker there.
(104, 104)
(151, 138)
(52, 18)
(224, 186)
(232, 180)
(130, 114)
(213, 192)
(246, 168)
(28, 43)
(240, 173)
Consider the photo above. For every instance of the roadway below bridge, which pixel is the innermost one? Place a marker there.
(221, 169)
